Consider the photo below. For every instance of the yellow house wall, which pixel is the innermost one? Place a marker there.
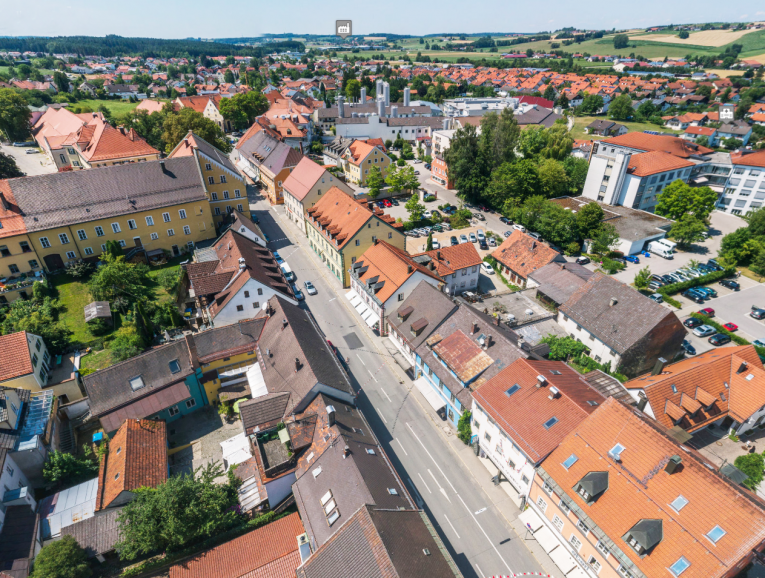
(218, 189)
(213, 387)
(120, 161)
(273, 187)
(358, 173)
(67, 388)
(17, 256)
(198, 219)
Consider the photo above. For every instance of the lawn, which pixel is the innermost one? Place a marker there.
(580, 122)
(97, 360)
(116, 107)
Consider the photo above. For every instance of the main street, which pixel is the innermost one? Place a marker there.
(478, 535)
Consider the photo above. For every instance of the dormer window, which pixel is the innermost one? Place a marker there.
(644, 535)
(591, 486)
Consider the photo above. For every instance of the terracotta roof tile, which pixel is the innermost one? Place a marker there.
(652, 162)
(651, 142)
(14, 351)
(755, 159)
(453, 258)
(335, 208)
(463, 356)
(303, 177)
(523, 254)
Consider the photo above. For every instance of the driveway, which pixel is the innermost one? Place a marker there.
(32, 164)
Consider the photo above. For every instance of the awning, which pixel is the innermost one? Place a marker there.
(146, 406)
(531, 520)
(246, 169)
(367, 314)
(435, 400)
(546, 539)
(350, 295)
(563, 559)
(361, 307)
(372, 318)
(256, 381)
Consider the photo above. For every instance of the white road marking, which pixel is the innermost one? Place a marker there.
(439, 486)
(431, 457)
(402, 446)
(373, 377)
(361, 360)
(480, 572)
(485, 534)
(424, 482)
(331, 300)
(385, 392)
(385, 420)
(479, 511)
(452, 525)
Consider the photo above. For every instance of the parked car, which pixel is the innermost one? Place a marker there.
(520, 228)
(708, 311)
(667, 279)
(704, 331)
(298, 294)
(657, 297)
(758, 343)
(427, 166)
(278, 258)
(380, 204)
(480, 234)
(491, 241)
(713, 263)
(435, 213)
(394, 202)
(700, 293)
(309, 288)
(463, 239)
(505, 220)
(719, 339)
(654, 285)
(731, 327)
(473, 238)
(453, 240)
(416, 172)
(482, 244)
(486, 268)
(31, 151)
(416, 161)
(427, 214)
(479, 216)
(631, 259)
(436, 244)
(688, 348)
(711, 292)
(582, 260)
(692, 322)
(658, 279)
(536, 236)
(730, 284)
(507, 233)
(693, 296)
(254, 218)
(387, 203)
(757, 313)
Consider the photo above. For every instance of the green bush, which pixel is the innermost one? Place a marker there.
(464, 432)
(752, 465)
(703, 280)
(168, 278)
(573, 248)
(63, 558)
(99, 326)
(610, 266)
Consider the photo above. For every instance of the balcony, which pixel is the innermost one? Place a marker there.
(20, 281)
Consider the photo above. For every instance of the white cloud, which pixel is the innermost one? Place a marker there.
(743, 17)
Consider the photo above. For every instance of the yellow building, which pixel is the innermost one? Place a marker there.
(145, 207)
(225, 186)
(340, 229)
(360, 157)
(27, 364)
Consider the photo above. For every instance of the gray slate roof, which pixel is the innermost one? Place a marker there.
(558, 281)
(620, 326)
(242, 336)
(541, 116)
(426, 302)
(98, 534)
(68, 198)
(213, 153)
(262, 410)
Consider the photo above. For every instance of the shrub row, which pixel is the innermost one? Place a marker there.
(703, 280)
(720, 329)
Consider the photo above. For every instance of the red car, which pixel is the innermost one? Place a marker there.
(731, 326)
(708, 311)
(387, 203)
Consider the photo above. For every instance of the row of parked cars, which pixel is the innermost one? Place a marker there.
(291, 278)
(688, 273)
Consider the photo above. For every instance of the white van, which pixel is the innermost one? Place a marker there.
(660, 249)
(668, 244)
(288, 274)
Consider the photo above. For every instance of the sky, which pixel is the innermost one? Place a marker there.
(245, 18)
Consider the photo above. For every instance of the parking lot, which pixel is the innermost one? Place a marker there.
(35, 163)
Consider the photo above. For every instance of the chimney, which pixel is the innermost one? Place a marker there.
(613, 302)
(407, 94)
(487, 342)
(409, 269)
(742, 367)
(554, 393)
(297, 364)
(475, 329)
(346, 452)
(162, 166)
(673, 463)
(642, 403)
(330, 415)
(284, 324)
(659, 367)
(268, 353)
(186, 142)
(541, 380)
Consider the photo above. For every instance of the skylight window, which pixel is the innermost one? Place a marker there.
(616, 451)
(137, 383)
(679, 503)
(680, 566)
(512, 390)
(392, 491)
(370, 451)
(326, 498)
(674, 388)
(175, 367)
(332, 518)
(551, 422)
(572, 459)
(555, 372)
(716, 533)
(316, 472)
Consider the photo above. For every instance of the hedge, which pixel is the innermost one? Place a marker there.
(494, 265)
(703, 280)
(720, 329)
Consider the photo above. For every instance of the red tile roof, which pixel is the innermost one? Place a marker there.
(653, 162)
(11, 219)
(137, 458)
(756, 159)
(341, 216)
(640, 488)
(463, 356)
(700, 130)
(107, 143)
(453, 258)
(652, 142)
(523, 254)
(14, 351)
(268, 552)
(303, 177)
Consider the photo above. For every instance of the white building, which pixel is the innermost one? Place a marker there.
(745, 189)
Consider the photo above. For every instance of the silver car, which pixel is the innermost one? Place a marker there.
(704, 331)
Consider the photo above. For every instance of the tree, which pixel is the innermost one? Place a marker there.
(178, 125)
(679, 198)
(532, 141)
(61, 81)
(604, 239)
(228, 77)
(499, 138)
(621, 108)
(464, 431)
(591, 103)
(549, 92)
(117, 277)
(512, 183)
(14, 116)
(552, 178)
(63, 468)
(353, 89)
(242, 109)
(559, 143)
(758, 264)
(409, 180)
(178, 512)
(127, 343)
(589, 219)
(168, 278)
(62, 558)
(643, 278)
(576, 170)
(8, 167)
(732, 143)
(563, 348)
(39, 318)
(375, 182)
(415, 209)
(757, 223)
(429, 243)
(752, 465)
(688, 229)
(621, 41)
(683, 34)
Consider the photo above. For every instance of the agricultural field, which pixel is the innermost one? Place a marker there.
(116, 107)
(713, 38)
(580, 122)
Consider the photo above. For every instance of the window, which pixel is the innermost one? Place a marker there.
(223, 179)
(583, 527)
(71, 255)
(174, 366)
(99, 232)
(208, 167)
(170, 232)
(680, 566)
(166, 217)
(63, 238)
(358, 242)
(564, 506)
(81, 234)
(10, 470)
(541, 503)
(256, 304)
(154, 236)
(239, 208)
(715, 534)
(237, 193)
(25, 248)
(603, 549)
(390, 235)
(594, 564)
(35, 359)
(616, 451)
(225, 194)
(570, 461)
(122, 243)
(575, 542)
(186, 230)
(211, 180)
(131, 224)
(33, 264)
(551, 422)
(679, 503)
(547, 488)
(116, 228)
(103, 247)
(260, 291)
(240, 307)
(44, 242)
(173, 410)
(13, 268)
(136, 383)
(217, 210)
(558, 523)
(229, 209)
(486, 436)
(191, 403)
(182, 213)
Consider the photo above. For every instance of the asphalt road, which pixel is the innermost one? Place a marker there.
(476, 533)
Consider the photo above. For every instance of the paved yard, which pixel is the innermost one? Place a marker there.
(31, 164)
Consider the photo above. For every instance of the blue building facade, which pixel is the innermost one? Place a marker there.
(454, 408)
(197, 399)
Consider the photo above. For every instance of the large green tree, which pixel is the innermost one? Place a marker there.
(120, 278)
(621, 41)
(177, 126)
(512, 183)
(8, 167)
(64, 468)
(178, 512)
(375, 182)
(604, 239)
(752, 465)
(591, 103)
(679, 198)
(40, 318)
(687, 229)
(589, 219)
(353, 89)
(14, 116)
(62, 558)
(621, 108)
(553, 178)
(576, 169)
(415, 209)
(242, 109)
(462, 158)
